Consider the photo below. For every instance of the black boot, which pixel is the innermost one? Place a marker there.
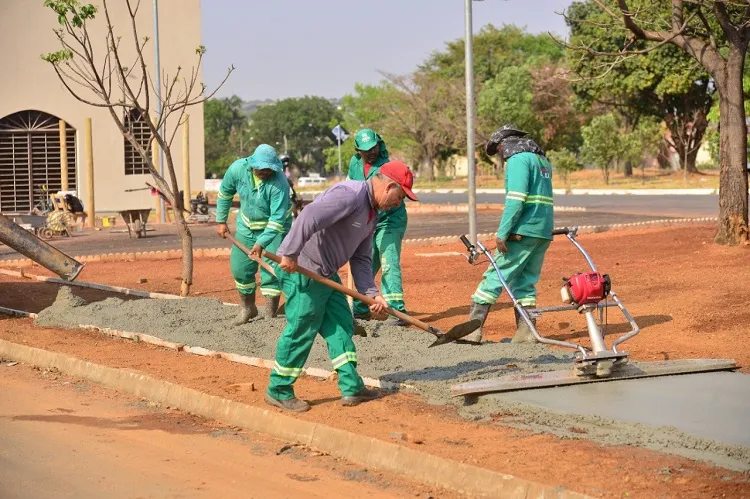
(477, 311)
(271, 307)
(523, 332)
(248, 310)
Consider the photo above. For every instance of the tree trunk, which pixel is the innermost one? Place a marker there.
(733, 183)
(186, 238)
(426, 168)
(663, 156)
(628, 168)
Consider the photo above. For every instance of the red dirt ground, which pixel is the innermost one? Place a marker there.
(691, 298)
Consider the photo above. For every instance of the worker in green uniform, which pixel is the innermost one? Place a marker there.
(265, 217)
(371, 155)
(525, 230)
(334, 229)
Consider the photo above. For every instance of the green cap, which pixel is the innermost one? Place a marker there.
(365, 139)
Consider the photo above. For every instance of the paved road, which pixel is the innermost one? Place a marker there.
(70, 439)
(672, 206)
(204, 236)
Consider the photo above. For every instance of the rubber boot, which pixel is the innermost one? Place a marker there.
(365, 395)
(248, 310)
(291, 405)
(477, 311)
(271, 307)
(523, 332)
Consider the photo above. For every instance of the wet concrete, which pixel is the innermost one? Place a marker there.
(708, 405)
(672, 414)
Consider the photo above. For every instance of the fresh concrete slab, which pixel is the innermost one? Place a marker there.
(708, 405)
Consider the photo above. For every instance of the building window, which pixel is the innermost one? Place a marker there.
(138, 126)
(31, 160)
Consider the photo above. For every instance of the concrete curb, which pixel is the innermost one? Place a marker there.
(365, 451)
(315, 372)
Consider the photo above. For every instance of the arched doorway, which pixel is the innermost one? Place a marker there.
(30, 158)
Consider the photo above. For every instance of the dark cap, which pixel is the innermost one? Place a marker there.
(501, 134)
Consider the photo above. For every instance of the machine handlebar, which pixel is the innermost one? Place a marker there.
(466, 242)
(561, 232)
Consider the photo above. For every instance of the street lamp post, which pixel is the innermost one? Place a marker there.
(157, 81)
(469, 63)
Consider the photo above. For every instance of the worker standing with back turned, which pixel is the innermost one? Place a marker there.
(525, 230)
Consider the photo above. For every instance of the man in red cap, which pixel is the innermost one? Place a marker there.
(334, 229)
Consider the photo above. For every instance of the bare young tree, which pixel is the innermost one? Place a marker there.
(425, 112)
(716, 33)
(114, 75)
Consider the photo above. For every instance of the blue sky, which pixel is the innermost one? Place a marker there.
(291, 48)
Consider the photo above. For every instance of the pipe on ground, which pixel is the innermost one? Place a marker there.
(46, 255)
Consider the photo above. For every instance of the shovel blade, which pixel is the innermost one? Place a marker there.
(457, 332)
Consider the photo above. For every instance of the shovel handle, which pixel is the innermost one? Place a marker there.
(354, 294)
(245, 250)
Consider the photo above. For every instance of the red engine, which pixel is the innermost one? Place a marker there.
(583, 289)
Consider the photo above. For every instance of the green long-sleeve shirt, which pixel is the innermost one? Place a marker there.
(529, 207)
(395, 218)
(264, 204)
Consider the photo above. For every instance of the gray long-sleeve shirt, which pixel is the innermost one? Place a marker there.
(334, 229)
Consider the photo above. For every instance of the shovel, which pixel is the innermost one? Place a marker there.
(456, 332)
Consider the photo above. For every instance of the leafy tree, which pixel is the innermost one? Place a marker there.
(552, 102)
(563, 162)
(715, 33)
(603, 143)
(95, 74)
(644, 142)
(495, 50)
(511, 63)
(226, 133)
(303, 123)
(508, 98)
(668, 83)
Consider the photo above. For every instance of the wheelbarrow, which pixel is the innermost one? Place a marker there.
(136, 221)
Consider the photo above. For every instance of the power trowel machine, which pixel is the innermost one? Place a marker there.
(588, 293)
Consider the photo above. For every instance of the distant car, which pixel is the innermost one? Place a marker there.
(304, 181)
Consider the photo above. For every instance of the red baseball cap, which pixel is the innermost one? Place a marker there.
(400, 173)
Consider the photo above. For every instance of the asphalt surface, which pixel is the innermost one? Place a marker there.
(164, 237)
(685, 206)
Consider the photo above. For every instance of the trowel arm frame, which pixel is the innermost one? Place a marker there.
(521, 310)
(571, 235)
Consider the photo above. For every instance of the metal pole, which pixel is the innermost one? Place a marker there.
(286, 146)
(157, 80)
(470, 123)
(338, 139)
(63, 156)
(89, 148)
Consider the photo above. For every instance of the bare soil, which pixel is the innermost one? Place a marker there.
(691, 298)
(64, 437)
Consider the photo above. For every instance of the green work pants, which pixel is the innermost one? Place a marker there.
(520, 266)
(313, 308)
(386, 255)
(244, 269)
